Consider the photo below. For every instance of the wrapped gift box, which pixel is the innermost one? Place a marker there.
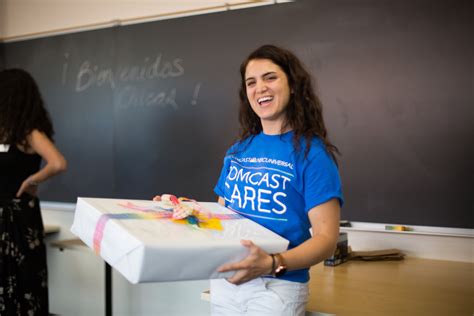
(133, 238)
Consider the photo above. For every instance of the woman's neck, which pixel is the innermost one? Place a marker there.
(274, 128)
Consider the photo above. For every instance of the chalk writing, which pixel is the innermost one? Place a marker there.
(132, 96)
(129, 81)
(196, 94)
(90, 75)
(65, 66)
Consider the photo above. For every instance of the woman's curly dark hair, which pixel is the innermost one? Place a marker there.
(21, 108)
(304, 113)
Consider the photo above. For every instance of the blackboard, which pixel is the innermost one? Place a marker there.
(151, 108)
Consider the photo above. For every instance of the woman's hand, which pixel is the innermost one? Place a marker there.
(28, 186)
(40, 144)
(256, 264)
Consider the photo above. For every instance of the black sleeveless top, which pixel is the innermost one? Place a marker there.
(15, 167)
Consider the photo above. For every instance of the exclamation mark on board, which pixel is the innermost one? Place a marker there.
(65, 66)
(196, 94)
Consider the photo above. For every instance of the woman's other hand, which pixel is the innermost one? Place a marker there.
(28, 186)
(256, 264)
(40, 144)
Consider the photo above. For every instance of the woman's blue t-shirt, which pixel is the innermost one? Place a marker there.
(267, 181)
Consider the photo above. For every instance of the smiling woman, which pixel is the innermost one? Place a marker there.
(283, 167)
(268, 93)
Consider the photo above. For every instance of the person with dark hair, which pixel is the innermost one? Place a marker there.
(25, 139)
(281, 173)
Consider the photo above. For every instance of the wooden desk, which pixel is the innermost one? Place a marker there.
(408, 287)
(51, 229)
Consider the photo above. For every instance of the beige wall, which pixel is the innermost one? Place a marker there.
(27, 18)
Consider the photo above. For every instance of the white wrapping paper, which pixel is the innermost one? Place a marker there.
(158, 250)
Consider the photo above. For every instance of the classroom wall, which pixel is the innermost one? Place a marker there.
(27, 17)
(20, 17)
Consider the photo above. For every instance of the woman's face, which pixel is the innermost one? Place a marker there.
(268, 93)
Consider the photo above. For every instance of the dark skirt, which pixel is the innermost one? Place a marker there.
(23, 272)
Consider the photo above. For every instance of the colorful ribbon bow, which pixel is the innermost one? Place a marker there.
(181, 213)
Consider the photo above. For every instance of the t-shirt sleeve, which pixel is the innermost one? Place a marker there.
(321, 181)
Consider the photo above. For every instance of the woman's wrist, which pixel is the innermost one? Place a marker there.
(279, 267)
(273, 266)
(32, 182)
